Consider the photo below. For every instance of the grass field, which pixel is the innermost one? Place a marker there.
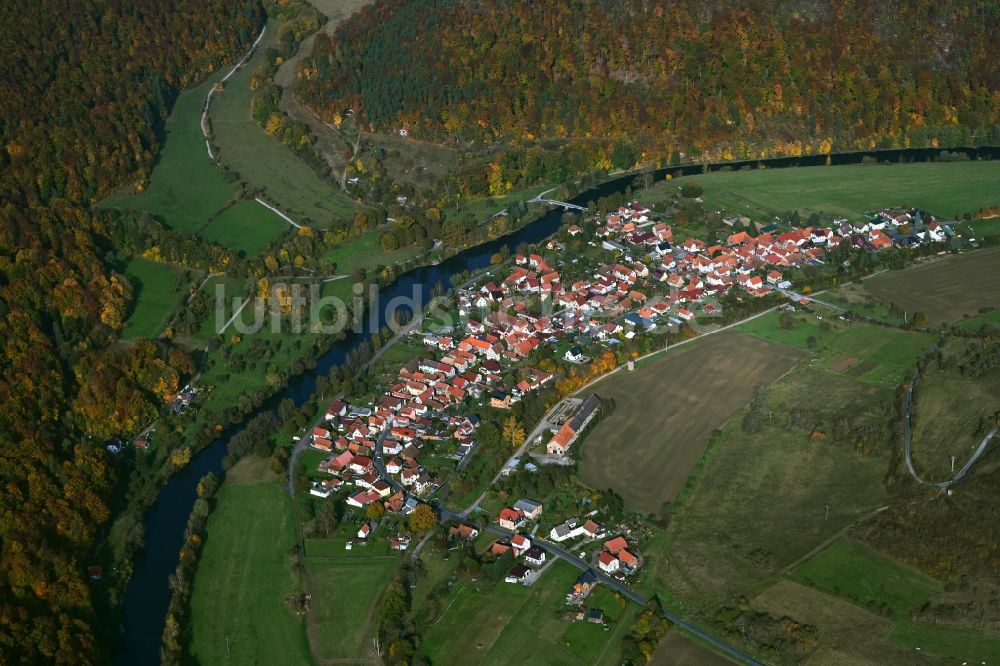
(666, 411)
(756, 501)
(853, 571)
(946, 289)
(365, 252)
(508, 624)
(873, 354)
(154, 287)
(345, 593)
(952, 414)
(941, 188)
(238, 612)
(262, 161)
(246, 226)
(186, 188)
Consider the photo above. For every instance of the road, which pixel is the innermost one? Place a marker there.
(632, 595)
(795, 296)
(908, 439)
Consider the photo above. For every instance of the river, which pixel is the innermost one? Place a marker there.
(148, 594)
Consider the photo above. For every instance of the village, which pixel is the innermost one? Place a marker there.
(513, 331)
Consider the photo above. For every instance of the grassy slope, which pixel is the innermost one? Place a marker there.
(344, 593)
(154, 289)
(858, 573)
(855, 572)
(942, 188)
(243, 579)
(246, 226)
(186, 188)
(261, 160)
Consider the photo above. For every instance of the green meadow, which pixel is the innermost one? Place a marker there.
(943, 188)
(156, 293)
(239, 613)
(246, 226)
(262, 161)
(186, 187)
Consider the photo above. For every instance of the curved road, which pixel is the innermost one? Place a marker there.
(908, 441)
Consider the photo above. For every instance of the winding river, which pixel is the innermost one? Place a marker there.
(148, 594)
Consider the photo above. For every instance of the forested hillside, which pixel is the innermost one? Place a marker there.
(84, 88)
(721, 79)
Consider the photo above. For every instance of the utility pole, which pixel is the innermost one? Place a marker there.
(953, 464)
(827, 512)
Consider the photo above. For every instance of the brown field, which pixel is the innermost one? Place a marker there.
(947, 289)
(666, 412)
(859, 636)
(677, 649)
(843, 364)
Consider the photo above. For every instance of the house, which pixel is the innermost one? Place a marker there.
(569, 431)
(463, 531)
(520, 543)
(596, 616)
(364, 531)
(142, 444)
(516, 574)
(575, 355)
(531, 509)
(498, 548)
(500, 400)
(324, 489)
(616, 545)
(337, 408)
(628, 559)
(511, 519)
(400, 542)
(535, 556)
(609, 563)
(363, 498)
(591, 529)
(96, 572)
(581, 588)
(563, 531)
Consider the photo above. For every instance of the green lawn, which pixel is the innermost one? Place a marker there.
(365, 252)
(262, 161)
(974, 324)
(238, 609)
(345, 593)
(857, 573)
(186, 187)
(246, 226)
(506, 624)
(154, 287)
(941, 188)
(873, 354)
